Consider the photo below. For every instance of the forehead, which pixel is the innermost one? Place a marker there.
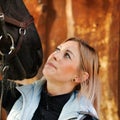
(69, 44)
(73, 46)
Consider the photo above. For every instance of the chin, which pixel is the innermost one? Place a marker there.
(47, 73)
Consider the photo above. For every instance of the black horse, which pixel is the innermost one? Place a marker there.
(25, 60)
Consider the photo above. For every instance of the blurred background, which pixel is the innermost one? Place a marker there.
(97, 22)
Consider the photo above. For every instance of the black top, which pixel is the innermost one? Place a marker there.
(50, 106)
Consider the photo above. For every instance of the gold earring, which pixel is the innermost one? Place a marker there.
(73, 80)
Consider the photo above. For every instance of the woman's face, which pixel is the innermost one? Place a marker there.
(63, 64)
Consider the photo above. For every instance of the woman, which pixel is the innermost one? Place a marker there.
(67, 89)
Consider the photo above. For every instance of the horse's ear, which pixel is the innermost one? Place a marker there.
(25, 61)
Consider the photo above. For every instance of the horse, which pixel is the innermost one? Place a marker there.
(21, 53)
(25, 60)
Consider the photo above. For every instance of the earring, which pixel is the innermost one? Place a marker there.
(73, 80)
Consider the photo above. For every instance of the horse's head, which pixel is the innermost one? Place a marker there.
(27, 56)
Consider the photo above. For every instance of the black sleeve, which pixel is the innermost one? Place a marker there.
(9, 94)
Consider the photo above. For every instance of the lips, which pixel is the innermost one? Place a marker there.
(51, 65)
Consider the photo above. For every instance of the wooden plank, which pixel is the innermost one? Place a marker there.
(119, 73)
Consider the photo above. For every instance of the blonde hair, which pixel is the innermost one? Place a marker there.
(89, 62)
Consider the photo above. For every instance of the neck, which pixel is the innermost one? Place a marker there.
(59, 88)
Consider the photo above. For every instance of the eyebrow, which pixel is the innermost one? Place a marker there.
(60, 46)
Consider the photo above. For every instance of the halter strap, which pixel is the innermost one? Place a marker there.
(19, 23)
(22, 26)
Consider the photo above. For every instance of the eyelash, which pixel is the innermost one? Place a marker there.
(66, 55)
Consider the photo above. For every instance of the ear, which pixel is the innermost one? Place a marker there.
(83, 77)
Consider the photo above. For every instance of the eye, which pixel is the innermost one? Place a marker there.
(57, 49)
(67, 55)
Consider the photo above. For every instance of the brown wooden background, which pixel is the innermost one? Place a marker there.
(96, 21)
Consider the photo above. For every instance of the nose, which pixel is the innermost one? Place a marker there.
(57, 56)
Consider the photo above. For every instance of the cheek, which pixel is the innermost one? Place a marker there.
(70, 70)
(67, 73)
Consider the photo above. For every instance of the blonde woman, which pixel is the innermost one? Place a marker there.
(67, 89)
